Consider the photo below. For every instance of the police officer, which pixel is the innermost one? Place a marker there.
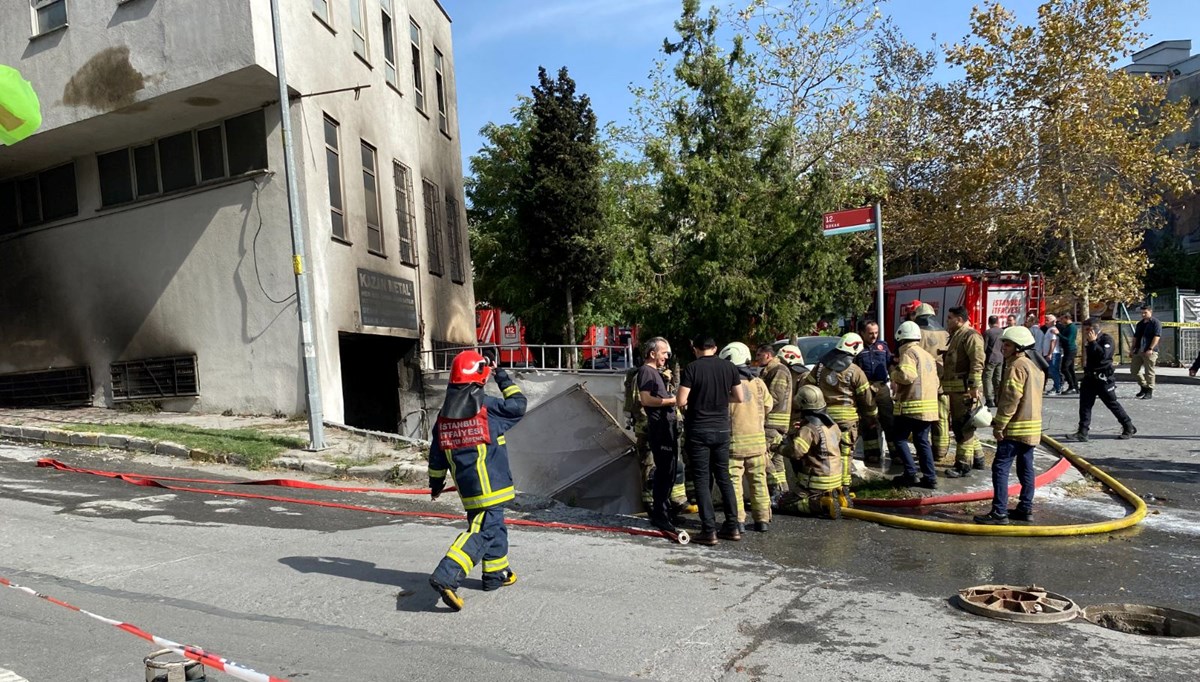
(1098, 382)
(874, 360)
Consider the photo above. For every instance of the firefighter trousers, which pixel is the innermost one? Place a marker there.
(849, 441)
(486, 540)
(967, 447)
(776, 462)
(939, 435)
(874, 434)
(804, 502)
(753, 471)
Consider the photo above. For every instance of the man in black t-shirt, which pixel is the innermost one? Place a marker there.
(706, 388)
(1146, 336)
(662, 430)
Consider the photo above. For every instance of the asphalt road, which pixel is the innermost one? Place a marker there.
(310, 593)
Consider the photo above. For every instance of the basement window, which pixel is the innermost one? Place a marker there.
(168, 377)
(64, 387)
(36, 199)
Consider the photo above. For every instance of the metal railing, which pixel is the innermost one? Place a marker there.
(587, 359)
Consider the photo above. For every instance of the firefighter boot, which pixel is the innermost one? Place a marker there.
(960, 470)
(449, 596)
(830, 505)
(503, 578)
(979, 463)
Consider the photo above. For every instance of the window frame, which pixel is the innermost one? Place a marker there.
(415, 40)
(336, 151)
(35, 6)
(439, 86)
(388, 27)
(433, 231)
(327, 19)
(454, 241)
(406, 209)
(359, 33)
(35, 180)
(373, 173)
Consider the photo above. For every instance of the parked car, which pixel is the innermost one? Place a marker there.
(813, 348)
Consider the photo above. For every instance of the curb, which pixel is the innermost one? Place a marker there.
(1126, 377)
(394, 473)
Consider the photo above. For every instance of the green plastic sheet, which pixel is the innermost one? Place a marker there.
(20, 111)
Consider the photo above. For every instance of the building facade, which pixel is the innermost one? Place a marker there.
(145, 249)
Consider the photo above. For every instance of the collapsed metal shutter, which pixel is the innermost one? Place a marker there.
(169, 377)
(64, 387)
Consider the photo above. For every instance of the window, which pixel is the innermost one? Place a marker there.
(439, 84)
(389, 43)
(321, 9)
(47, 196)
(371, 195)
(414, 36)
(333, 167)
(359, 27)
(177, 162)
(433, 230)
(405, 213)
(455, 237)
(49, 14)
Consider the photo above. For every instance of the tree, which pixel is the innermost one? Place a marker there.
(1071, 152)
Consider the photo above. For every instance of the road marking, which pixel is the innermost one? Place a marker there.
(10, 676)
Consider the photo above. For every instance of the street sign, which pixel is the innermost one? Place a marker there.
(845, 222)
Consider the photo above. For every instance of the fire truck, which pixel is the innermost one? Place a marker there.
(982, 292)
(494, 327)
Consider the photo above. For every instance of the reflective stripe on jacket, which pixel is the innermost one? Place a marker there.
(848, 395)
(749, 438)
(817, 451)
(916, 384)
(1019, 405)
(778, 379)
(481, 472)
(963, 363)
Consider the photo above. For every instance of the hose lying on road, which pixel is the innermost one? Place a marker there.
(1139, 510)
(1043, 479)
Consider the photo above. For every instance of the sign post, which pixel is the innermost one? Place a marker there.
(861, 220)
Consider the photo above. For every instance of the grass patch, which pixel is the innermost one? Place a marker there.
(256, 447)
(347, 462)
(883, 490)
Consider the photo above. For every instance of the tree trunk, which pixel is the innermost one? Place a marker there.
(571, 338)
(1087, 300)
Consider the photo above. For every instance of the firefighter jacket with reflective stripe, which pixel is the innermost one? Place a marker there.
(934, 340)
(474, 451)
(633, 403)
(778, 379)
(963, 363)
(817, 451)
(1019, 405)
(848, 395)
(916, 384)
(748, 417)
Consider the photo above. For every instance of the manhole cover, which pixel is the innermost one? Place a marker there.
(1137, 619)
(1029, 604)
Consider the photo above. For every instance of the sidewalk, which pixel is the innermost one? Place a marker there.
(1162, 375)
(348, 452)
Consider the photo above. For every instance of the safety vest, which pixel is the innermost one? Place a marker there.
(817, 451)
(1019, 405)
(962, 367)
(916, 382)
(749, 438)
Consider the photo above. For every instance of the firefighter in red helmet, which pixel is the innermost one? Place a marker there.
(468, 440)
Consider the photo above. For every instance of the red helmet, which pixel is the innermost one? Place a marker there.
(469, 367)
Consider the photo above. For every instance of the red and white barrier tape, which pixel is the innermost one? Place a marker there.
(191, 652)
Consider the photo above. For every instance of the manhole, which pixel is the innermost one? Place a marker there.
(1028, 604)
(1138, 619)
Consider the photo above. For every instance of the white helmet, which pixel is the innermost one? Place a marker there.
(790, 355)
(908, 331)
(1019, 336)
(851, 344)
(737, 353)
(981, 417)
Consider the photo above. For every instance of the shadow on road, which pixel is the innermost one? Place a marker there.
(414, 593)
(1164, 471)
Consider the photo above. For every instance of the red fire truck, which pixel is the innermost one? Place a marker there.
(982, 292)
(493, 327)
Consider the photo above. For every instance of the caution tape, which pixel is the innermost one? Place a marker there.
(194, 653)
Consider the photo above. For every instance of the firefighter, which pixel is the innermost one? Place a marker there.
(875, 359)
(778, 378)
(814, 445)
(1017, 425)
(848, 395)
(748, 445)
(935, 339)
(468, 440)
(916, 403)
(962, 382)
(636, 421)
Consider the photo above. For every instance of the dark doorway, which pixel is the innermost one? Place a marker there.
(372, 367)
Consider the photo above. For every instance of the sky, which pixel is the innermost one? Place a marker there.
(608, 44)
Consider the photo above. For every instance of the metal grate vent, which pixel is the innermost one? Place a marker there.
(170, 377)
(65, 387)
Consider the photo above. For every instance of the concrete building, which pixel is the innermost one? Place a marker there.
(145, 250)
(1173, 61)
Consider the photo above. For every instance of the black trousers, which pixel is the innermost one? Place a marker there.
(1104, 388)
(1068, 371)
(663, 439)
(708, 457)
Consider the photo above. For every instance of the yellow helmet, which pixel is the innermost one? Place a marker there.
(810, 398)
(737, 353)
(851, 344)
(923, 310)
(1019, 336)
(790, 355)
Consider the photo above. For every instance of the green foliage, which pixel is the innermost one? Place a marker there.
(255, 447)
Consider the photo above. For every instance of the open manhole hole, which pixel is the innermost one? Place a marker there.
(1021, 604)
(1138, 619)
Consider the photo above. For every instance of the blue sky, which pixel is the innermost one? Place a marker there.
(608, 44)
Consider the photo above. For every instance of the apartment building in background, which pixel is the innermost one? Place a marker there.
(145, 251)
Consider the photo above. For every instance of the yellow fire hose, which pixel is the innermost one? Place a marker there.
(1132, 519)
